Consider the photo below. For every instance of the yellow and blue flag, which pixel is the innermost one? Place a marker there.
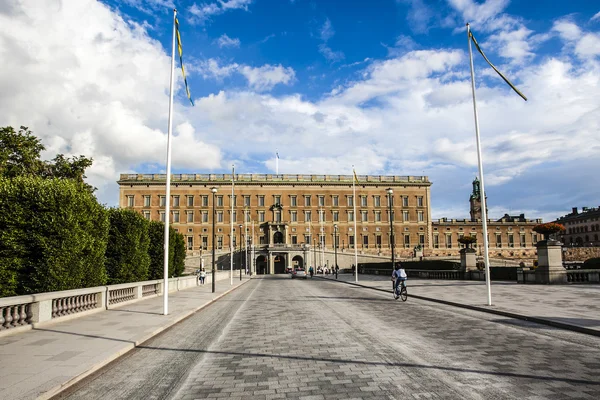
(494, 68)
(179, 48)
(355, 177)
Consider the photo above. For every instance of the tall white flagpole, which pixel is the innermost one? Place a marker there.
(322, 217)
(246, 238)
(355, 233)
(252, 265)
(168, 183)
(231, 228)
(480, 164)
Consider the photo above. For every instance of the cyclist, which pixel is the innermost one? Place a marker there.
(398, 275)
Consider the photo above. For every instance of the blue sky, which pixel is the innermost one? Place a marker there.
(383, 85)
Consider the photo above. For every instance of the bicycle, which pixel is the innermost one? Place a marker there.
(400, 291)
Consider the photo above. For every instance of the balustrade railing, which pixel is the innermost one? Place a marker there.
(14, 316)
(583, 275)
(120, 295)
(149, 290)
(74, 304)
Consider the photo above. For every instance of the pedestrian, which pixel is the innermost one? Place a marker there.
(337, 268)
(310, 271)
(202, 276)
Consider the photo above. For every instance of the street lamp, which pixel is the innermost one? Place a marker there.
(315, 254)
(214, 259)
(335, 246)
(390, 192)
(240, 226)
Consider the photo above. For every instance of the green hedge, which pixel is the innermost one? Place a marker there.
(591, 263)
(156, 233)
(53, 236)
(127, 258)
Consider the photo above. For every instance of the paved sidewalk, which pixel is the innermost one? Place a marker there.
(42, 362)
(572, 306)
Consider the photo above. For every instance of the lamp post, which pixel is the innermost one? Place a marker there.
(214, 259)
(240, 226)
(335, 246)
(315, 253)
(390, 192)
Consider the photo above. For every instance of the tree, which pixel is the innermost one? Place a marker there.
(19, 153)
(156, 232)
(20, 156)
(127, 258)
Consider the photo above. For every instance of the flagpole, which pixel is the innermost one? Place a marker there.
(168, 183)
(252, 266)
(231, 228)
(355, 234)
(321, 217)
(480, 165)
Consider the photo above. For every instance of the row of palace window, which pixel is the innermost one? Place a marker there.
(499, 244)
(583, 229)
(204, 201)
(293, 215)
(320, 240)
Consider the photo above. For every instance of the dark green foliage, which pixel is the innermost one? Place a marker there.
(52, 236)
(127, 258)
(591, 263)
(177, 245)
(156, 234)
(19, 153)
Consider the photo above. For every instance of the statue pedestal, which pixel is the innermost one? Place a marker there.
(550, 268)
(468, 260)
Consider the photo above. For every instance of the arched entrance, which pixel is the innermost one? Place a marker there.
(278, 238)
(261, 265)
(297, 262)
(279, 263)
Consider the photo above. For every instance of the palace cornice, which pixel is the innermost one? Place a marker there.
(272, 180)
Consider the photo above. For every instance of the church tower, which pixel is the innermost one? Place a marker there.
(475, 201)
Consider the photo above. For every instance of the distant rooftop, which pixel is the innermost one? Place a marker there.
(585, 212)
(226, 178)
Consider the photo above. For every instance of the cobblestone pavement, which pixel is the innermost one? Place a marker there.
(315, 339)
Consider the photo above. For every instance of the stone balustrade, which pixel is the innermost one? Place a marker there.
(583, 275)
(25, 312)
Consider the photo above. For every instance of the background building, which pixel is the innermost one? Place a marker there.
(582, 229)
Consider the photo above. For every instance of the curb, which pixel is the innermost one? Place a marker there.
(508, 314)
(63, 386)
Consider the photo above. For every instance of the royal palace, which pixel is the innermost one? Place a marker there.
(286, 218)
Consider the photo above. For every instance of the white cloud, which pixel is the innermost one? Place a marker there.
(325, 33)
(265, 77)
(419, 15)
(226, 41)
(596, 16)
(259, 78)
(96, 86)
(204, 12)
(567, 30)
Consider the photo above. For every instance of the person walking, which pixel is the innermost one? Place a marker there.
(310, 271)
(337, 268)
(202, 276)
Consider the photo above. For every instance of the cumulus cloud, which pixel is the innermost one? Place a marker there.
(96, 86)
(226, 41)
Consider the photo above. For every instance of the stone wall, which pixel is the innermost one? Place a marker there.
(580, 253)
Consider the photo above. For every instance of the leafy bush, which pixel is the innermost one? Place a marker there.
(53, 236)
(127, 258)
(156, 252)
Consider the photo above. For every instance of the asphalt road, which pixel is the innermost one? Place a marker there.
(276, 337)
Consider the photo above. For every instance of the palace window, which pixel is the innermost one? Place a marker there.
(307, 201)
(294, 216)
(405, 201)
(350, 216)
(498, 240)
(436, 241)
(161, 201)
(162, 216)
(321, 216)
(321, 201)
(277, 199)
(190, 242)
(219, 216)
(511, 240)
(422, 240)
(190, 216)
(449, 241)
(335, 201)
(420, 216)
(204, 201)
(336, 216)
(420, 201)
(175, 201)
(220, 242)
(147, 215)
(293, 201)
(277, 216)
(405, 216)
(377, 201)
(130, 200)
(364, 216)
(261, 216)
(261, 201)
(219, 201)
(350, 201)
(363, 201)
(190, 201)
(307, 216)
(246, 201)
(233, 216)
(406, 241)
(366, 241)
(204, 242)
(146, 201)
(205, 216)
(377, 216)
(522, 240)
